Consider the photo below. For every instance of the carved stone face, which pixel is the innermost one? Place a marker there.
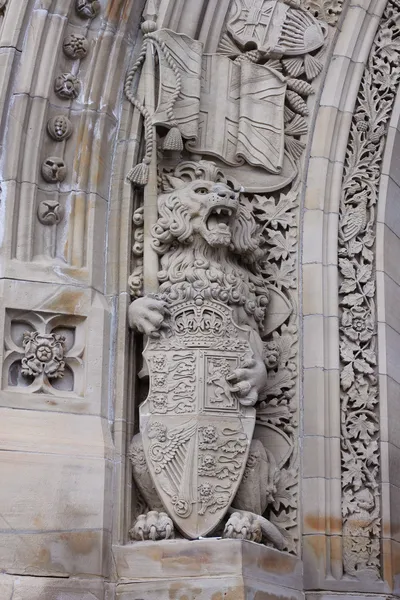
(213, 208)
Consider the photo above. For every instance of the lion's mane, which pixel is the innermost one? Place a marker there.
(191, 268)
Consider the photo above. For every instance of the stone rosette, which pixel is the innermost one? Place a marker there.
(44, 354)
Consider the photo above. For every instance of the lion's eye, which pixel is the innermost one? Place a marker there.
(202, 190)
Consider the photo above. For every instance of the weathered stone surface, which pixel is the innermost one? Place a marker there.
(207, 569)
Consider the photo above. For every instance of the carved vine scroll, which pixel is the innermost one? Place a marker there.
(358, 330)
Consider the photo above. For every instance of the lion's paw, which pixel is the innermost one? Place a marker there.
(147, 315)
(152, 526)
(243, 527)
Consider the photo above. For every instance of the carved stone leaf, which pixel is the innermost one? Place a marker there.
(362, 366)
(369, 289)
(370, 356)
(276, 214)
(347, 286)
(283, 245)
(286, 343)
(353, 300)
(361, 427)
(283, 495)
(352, 471)
(347, 376)
(274, 411)
(347, 350)
(349, 502)
(282, 275)
(368, 255)
(286, 521)
(347, 268)
(354, 247)
(364, 273)
(279, 381)
(369, 452)
(364, 397)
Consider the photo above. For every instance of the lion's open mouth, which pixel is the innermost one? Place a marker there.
(219, 218)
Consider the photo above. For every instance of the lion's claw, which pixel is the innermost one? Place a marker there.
(152, 526)
(243, 527)
(147, 315)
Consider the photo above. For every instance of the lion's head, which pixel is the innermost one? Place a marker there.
(209, 240)
(201, 203)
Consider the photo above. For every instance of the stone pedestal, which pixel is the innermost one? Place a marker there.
(209, 569)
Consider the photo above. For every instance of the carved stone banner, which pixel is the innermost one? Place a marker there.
(241, 113)
(196, 434)
(271, 25)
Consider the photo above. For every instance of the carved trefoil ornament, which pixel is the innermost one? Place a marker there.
(43, 353)
(360, 453)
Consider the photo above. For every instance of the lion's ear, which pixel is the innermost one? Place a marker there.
(173, 183)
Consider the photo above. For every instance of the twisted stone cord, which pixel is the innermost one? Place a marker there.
(148, 124)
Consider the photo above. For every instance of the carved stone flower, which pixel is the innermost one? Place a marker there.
(67, 86)
(358, 325)
(44, 354)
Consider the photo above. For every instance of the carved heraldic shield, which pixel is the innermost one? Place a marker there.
(196, 435)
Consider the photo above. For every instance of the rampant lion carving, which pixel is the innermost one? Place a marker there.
(210, 247)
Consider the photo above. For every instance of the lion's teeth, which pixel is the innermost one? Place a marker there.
(218, 211)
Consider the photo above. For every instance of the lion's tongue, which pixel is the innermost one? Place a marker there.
(214, 223)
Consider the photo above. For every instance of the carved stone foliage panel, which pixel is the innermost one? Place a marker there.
(361, 503)
(44, 353)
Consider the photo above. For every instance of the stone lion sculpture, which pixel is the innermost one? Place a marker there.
(209, 244)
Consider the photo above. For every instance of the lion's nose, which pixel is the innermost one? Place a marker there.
(223, 192)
